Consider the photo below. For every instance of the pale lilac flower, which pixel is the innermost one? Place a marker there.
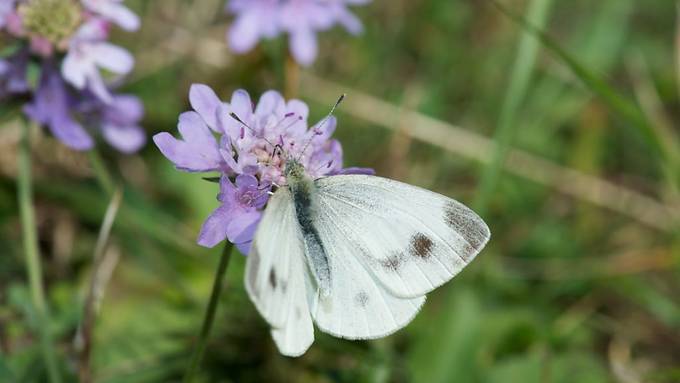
(114, 11)
(249, 144)
(300, 19)
(87, 54)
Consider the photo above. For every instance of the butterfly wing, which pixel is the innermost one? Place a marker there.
(357, 306)
(276, 277)
(410, 239)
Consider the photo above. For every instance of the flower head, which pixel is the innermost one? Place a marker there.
(68, 40)
(67, 114)
(250, 144)
(300, 19)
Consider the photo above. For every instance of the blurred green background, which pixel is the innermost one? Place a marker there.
(567, 147)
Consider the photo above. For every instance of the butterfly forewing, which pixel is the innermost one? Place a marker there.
(275, 276)
(410, 239)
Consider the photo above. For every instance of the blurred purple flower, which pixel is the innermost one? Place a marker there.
(75, 100)
(301, 19)
(237, 217)
(67, 113)
(252, 149)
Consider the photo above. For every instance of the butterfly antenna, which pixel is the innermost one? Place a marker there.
(317, 131)
(240, 121)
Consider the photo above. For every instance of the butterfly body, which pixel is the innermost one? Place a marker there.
(354, 254)
(303, 192)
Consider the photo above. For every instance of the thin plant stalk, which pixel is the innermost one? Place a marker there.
(210, 311)
(101, 273)
(102, 173)
(32, 254)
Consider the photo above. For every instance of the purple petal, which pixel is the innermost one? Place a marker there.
(186, 156)
(241, 104)
(242, 226)
(204, 101)
(244, 33)
(227, 191)
(214, 229)
(244, 248)
(299, 108)
(348, 20)
(324, 129)
(271, 102)
(71, 133)
(193, 129)
(246, 181)
(96, 85)
(111, 57)
(127, 139)
(227, 124)
(75, 70)
(115, 12)
(125, 109)
(303, 46)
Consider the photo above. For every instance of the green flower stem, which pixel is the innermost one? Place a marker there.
(31, 251)
(102, 173)
(210, 311)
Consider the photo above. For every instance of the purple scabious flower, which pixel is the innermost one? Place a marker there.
(68, 40)
(300, 19)
(71, 115)
(248, 144)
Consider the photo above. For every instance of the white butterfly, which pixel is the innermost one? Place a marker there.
(354, 254)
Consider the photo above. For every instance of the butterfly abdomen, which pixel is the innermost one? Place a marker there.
(303, 191)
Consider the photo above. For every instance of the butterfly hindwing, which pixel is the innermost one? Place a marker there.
(410, 239)
(358, 306)
(275, 276)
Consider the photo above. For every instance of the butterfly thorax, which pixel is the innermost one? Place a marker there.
(303, 192)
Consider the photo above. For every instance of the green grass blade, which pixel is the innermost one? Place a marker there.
(537, 14)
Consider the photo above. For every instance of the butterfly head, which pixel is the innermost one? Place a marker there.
(294, 170)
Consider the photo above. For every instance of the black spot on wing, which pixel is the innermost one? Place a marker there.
(392, 262)
(420, 246)
(466, 223)
(272, 278)
(361, 299)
